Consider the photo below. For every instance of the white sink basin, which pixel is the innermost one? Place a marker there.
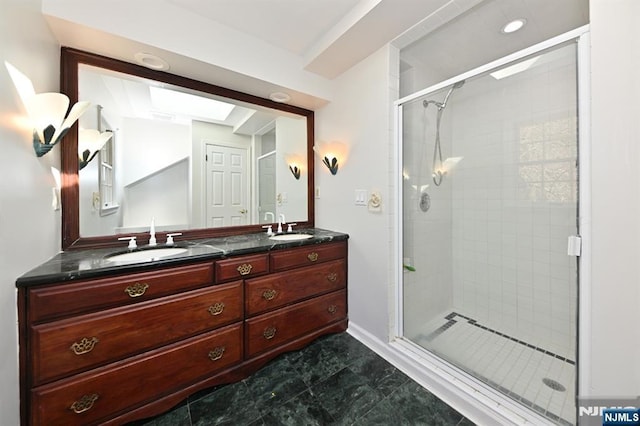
(290, 237)
(147, 255)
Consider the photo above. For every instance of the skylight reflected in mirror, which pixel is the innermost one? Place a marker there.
(176, 103)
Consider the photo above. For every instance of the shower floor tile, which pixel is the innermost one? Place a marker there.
(514, 367)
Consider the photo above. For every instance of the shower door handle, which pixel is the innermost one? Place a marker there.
(574, 245)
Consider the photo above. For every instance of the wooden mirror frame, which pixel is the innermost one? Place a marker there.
(70, 59)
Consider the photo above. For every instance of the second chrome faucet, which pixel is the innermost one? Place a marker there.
(281, 221)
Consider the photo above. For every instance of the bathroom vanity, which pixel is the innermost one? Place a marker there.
(108, 342)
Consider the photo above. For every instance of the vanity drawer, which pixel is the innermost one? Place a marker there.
(95, 395)
(270, 330)
(307, 255)
(276, 290)
(241, 267)
(72, 345)
(83, 296)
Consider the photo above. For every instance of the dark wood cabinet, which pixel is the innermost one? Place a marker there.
(124, 347)
(241, 267)
(53, 301)
(282, 288)
(273, 329)
(96, 395)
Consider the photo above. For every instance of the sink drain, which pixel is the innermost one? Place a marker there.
(553, 384)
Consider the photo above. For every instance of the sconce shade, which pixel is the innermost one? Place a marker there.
(47, 113)
(332, 164)
(90, 142)
(295, 171)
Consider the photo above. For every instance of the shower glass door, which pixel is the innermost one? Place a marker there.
(489, 200)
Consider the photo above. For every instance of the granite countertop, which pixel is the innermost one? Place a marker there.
(91, 263)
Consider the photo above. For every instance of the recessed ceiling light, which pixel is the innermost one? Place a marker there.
(151, 61)
(279, 97)
(514, 25)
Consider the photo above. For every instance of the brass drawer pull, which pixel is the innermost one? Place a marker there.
(269, 333)
(85, 345)
(137, 289)
(332, 309)
(245, 269)
(216, 309)
(84, 404)
(217, 353)
(332, 277)
(269, 294)
(313, 256)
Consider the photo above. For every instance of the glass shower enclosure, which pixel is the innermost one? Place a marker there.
(489, 202)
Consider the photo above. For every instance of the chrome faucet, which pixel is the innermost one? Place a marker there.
(273, 217)
(281, 221)
(152, 233)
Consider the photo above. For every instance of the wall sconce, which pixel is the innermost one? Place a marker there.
(47, 112)
(294, 162)
(295, 170)
(332, 163)
(332, 154)
(90, 142)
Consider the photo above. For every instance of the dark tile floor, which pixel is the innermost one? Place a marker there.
(334, 381)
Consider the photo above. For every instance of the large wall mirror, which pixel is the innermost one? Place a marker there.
(193, 157)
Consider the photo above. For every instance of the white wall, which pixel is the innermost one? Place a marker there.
(292, 192)
(163, 196)
(612, 354)
(160, 143)
(359, 116)
(29, 228)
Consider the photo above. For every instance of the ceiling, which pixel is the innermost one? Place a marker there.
(474, 38)
(293, 25)
(300, 46)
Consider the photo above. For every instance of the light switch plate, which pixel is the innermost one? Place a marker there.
(361, 197)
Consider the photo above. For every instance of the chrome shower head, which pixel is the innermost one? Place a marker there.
(426, 103)
(443, 104)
